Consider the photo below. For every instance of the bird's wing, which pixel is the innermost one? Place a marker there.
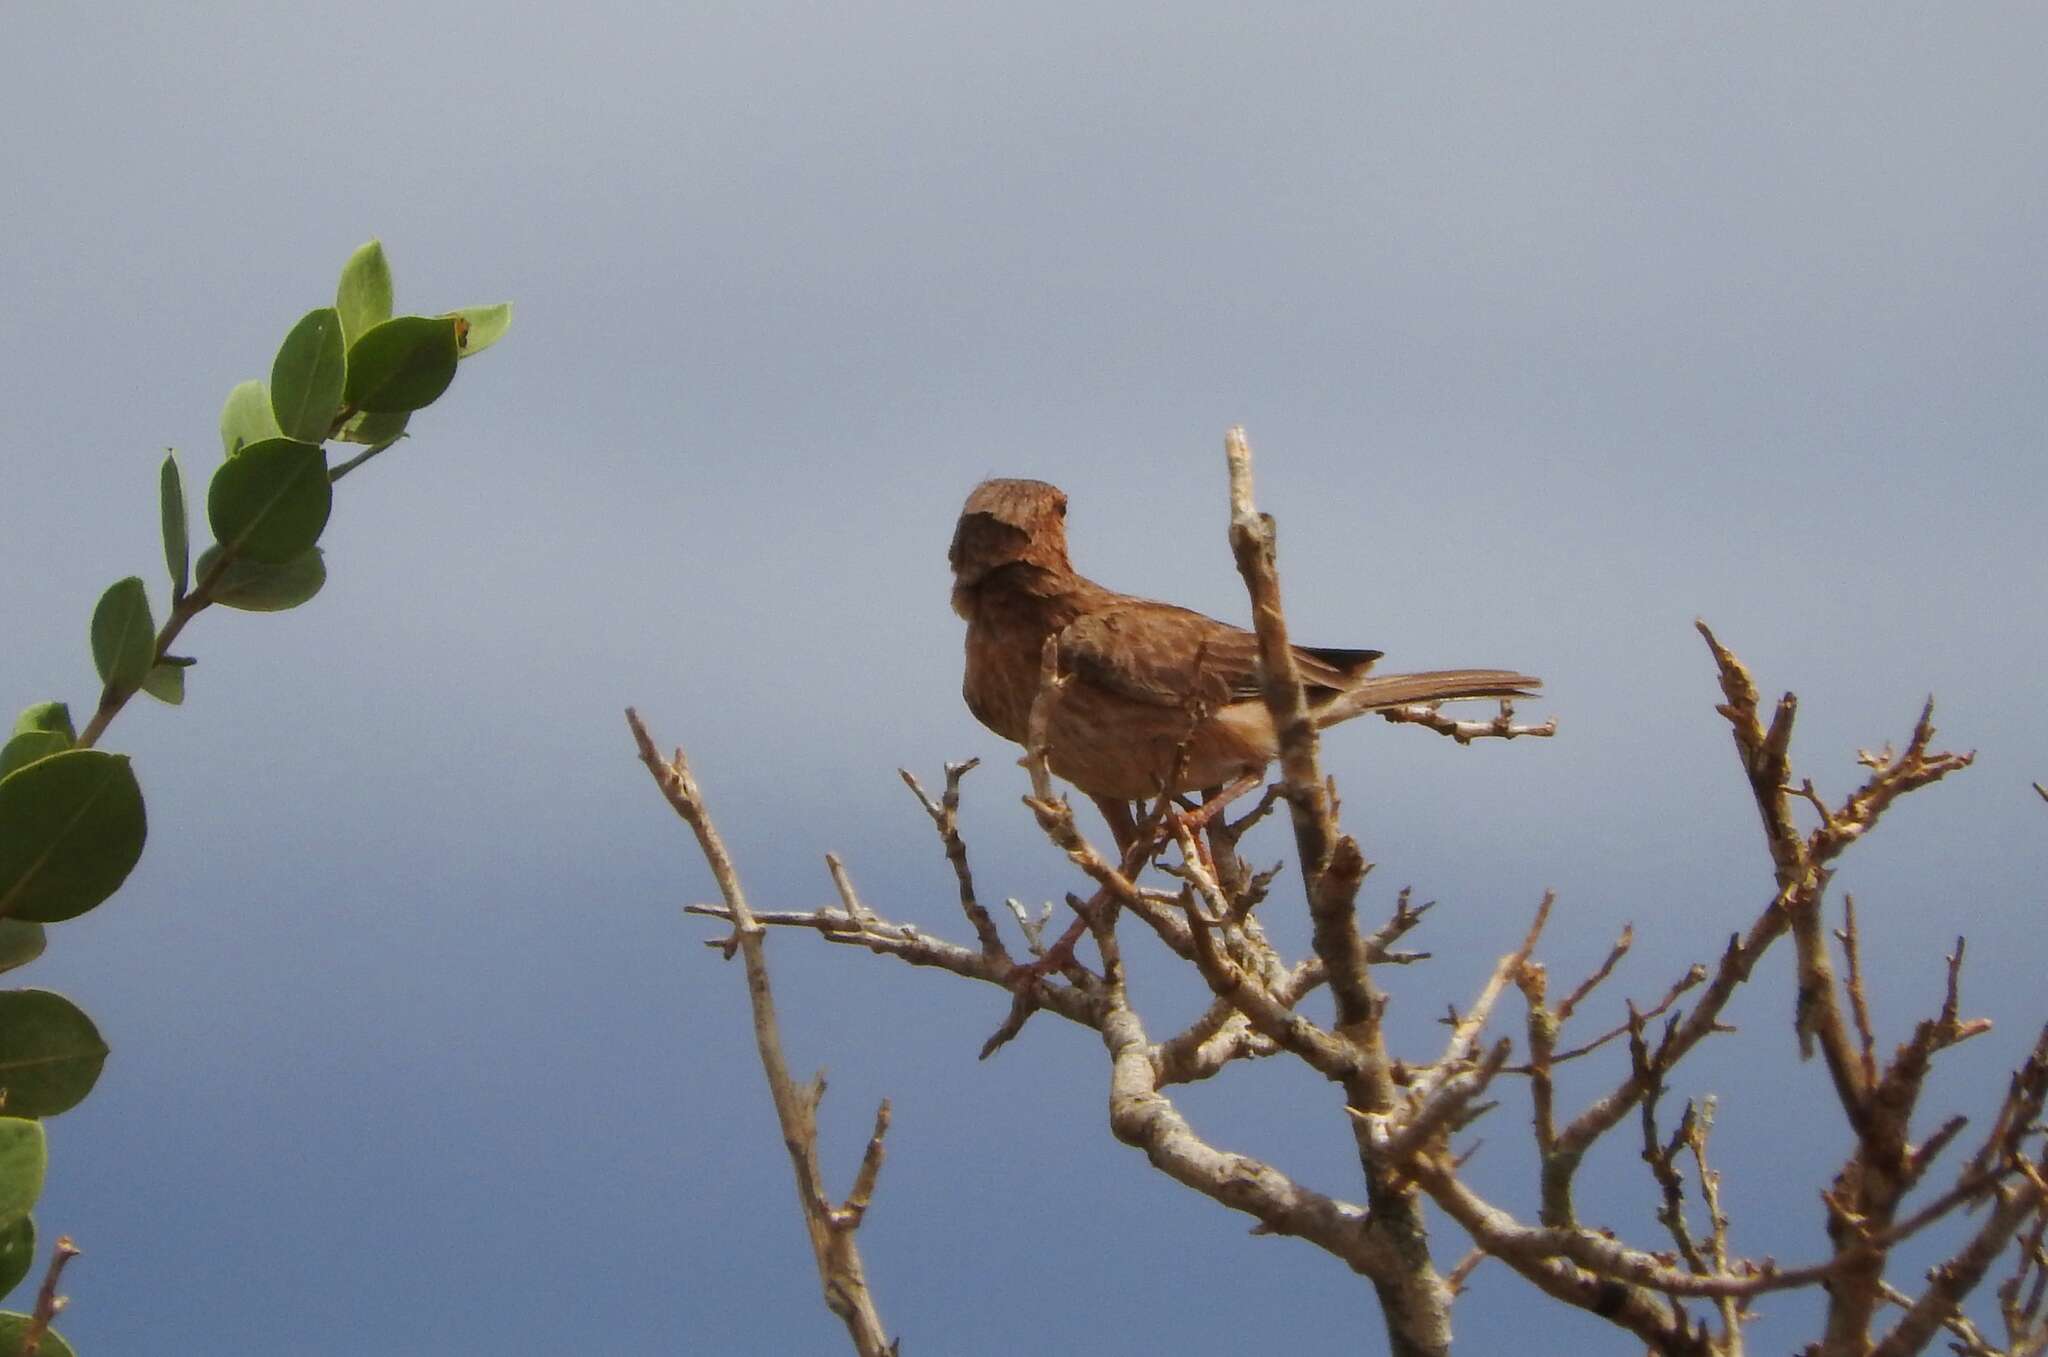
(1159, 654)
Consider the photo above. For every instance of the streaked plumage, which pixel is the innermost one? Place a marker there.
(1142, 676)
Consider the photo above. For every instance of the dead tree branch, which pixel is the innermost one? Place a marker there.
(48, 1303)
(1687, 1293)
(831, 1228)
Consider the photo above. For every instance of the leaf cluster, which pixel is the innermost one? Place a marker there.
(72, 823)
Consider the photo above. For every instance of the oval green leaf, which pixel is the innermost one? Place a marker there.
(166, 683)
(177, 541)
(50, 1053)
(71, 829)
(14, 1328)
(247, 418)
(271, 503)
(403, 364)
(22, 1159)
(479, 327)
(17, 1255)
(363, 298)
(306, 376)
(20, 943)
(123, 635)
(46, 716)
(374, 430)
(258, 588)
(23, 749)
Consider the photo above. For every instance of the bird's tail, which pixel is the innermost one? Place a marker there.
(1378, 691)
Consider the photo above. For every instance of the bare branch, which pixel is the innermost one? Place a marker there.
(48, 1303)
(1717, 1222)
(2020, 1296)
(910, 944)
(1859, 1001)
(1335, 1059)
(1414, 1301)
(870, 1168)
(1691, 980)
(1405, 1115)
(1948, 1283)
(831, 1230)
(1501, 727)
(945, 814)
(1332, 866)
(1466, 1031)
(844, 885)
(1577, 1267)
(1143, 1117)
(1032, 929)
(1445, 1108)
(1456, 1279)
(1587, 986)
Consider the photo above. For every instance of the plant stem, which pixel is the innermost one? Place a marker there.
(112, 699)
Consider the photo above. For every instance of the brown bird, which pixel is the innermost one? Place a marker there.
(1142, 678)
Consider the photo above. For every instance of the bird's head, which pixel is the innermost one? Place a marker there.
(1007, 521)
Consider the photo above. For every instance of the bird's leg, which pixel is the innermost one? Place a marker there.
(1216, 848)
(1214, 799)
(1123, 826)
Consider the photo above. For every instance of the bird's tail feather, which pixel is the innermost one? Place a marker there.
(1440, 685)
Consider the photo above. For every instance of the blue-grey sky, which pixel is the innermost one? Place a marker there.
(1553, 329)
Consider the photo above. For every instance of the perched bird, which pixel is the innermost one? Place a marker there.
(1142, 679)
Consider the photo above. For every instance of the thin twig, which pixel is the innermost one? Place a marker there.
(48, 1303)
(1501, 727)
(945, 814)
(831, 1229)
(1859, 1001)
(1587, 986)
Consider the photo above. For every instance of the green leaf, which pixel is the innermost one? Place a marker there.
(403, 364)
(71, 829)
(166, 683)
(17, 1255)
(20, 943)
(30, 745)
(177, 541)
(22, 1159)
(374, 429)
(247, 418)
(46, 716)
(258, 588)
(14, 1328)
(271, 503)
(123, 635)
(50, 1053)
(479, 327)
(364, 297)
(306, 376)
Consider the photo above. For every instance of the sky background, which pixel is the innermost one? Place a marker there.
(1553, 329)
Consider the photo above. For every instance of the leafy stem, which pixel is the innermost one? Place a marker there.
(113, 697)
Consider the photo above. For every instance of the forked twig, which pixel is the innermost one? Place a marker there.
(831, 1228)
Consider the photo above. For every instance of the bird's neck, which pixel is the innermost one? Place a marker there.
(1010, 613)
(1022, 597)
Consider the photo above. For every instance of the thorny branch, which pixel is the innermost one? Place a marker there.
(1405, 1115)
(831, 1227)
